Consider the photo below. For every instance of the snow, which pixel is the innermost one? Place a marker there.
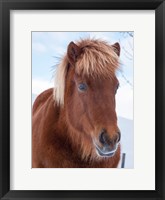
(127, 141)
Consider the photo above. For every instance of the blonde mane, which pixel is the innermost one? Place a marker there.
(98, 59)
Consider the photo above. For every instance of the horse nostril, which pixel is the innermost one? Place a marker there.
(118, 137)
(102, 138)
(106, 140)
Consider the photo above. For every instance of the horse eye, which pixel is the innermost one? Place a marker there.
(82, 87)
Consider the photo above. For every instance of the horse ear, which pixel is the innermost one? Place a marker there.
(73, 52)
(116, 48)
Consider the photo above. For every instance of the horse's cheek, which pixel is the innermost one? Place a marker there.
(75, 111)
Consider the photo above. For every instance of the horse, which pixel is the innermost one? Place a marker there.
(74, 124)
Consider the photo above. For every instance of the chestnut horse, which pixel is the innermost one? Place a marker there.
(75, 123)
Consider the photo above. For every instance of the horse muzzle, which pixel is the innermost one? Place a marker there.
(106, 146)
(105, 151)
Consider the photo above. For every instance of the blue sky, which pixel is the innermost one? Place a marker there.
(48, 47)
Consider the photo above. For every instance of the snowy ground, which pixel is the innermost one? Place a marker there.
(127, 140)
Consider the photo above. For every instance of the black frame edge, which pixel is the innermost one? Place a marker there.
(1, 189)
(160, 83)
(4, 103)
(5, 193)
(138, 195)
(82, 4)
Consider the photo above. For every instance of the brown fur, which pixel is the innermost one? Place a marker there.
(64, 134)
